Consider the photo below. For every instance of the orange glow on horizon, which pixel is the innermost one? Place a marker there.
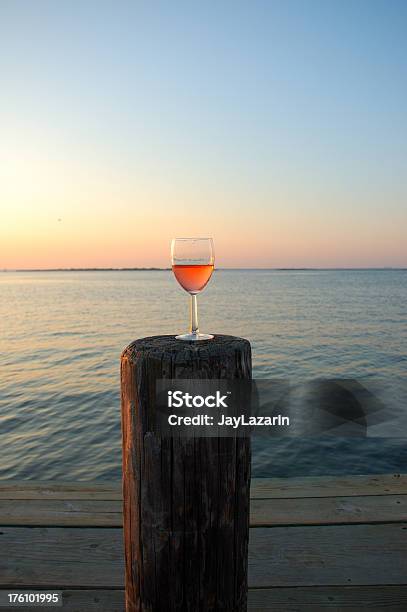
(110, 219)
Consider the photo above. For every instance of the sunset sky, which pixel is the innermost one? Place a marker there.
(277, 127)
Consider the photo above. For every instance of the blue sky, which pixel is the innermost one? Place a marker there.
(278, 127)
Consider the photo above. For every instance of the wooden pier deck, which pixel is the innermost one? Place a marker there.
(315, 543)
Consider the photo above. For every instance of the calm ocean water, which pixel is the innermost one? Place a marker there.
(61, 335)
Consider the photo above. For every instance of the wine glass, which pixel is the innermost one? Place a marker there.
(192, 263)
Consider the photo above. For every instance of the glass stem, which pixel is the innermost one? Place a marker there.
(194, 315)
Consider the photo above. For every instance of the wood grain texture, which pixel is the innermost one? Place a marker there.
(87, 600)
(331, 599)
(328, 486)
(30, 490)
(328, 510)
(300, 599)
(186, 501)
(64, 556)
(61, 513)
(328, 555)
(263, 512)
(343, 555)
(261, 488)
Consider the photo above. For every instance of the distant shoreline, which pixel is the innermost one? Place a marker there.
(5, 270)
(83, 269)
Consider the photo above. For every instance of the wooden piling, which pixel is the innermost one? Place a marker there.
(186, 500)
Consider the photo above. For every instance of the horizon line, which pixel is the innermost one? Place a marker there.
(166, 269)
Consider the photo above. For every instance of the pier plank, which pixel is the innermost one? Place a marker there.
(27, 489)
(98, 600)
(278, 556)
(261, 488)
(61, 557)
(329, 486)
(300, 599)
(61, 513)
(328, 510)
(263, 512)
(328, 555)
(336, 599)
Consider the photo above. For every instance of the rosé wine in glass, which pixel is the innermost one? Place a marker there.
(193, 278)
(192, 262)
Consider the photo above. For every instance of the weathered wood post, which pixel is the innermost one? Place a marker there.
(186, 500)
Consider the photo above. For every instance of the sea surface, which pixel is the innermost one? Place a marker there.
(61, 335)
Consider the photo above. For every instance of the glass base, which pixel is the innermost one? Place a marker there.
(194, 337)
